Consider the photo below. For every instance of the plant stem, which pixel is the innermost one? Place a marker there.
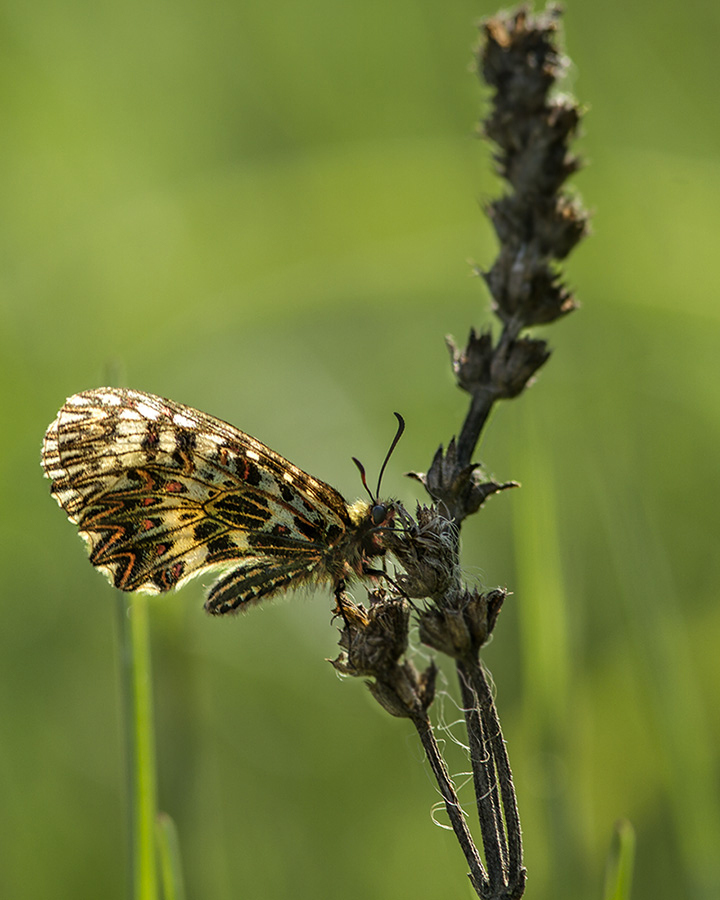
(480, 408)
(139, 743)
(502, 837)
(485, 785)
(452, 804)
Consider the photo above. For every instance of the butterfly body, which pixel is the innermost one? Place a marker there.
(161, 492)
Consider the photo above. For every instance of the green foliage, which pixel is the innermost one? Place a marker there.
(266, 212)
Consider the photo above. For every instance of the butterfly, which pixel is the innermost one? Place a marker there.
(161, 492)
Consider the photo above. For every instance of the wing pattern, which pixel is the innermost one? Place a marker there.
(161, 492)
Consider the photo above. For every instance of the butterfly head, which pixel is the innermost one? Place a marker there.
(374, 517)
(378, 514)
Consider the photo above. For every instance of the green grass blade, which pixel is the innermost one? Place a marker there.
(618, 878)
(170, 861)
(140, 744)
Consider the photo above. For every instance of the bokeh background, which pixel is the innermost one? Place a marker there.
(268, 211)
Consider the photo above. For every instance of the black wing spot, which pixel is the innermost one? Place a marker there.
(307, 529)
(220, 546)
(333, 533)
(185, 440)
(205, 529)
(242, 512)
(151, 441)
(248, 471)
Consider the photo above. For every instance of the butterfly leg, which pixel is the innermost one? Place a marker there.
(340, 601)
(381, 573)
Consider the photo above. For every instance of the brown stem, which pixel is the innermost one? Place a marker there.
(485, 783)
(477, 416)
(501, 835)
(477, 873)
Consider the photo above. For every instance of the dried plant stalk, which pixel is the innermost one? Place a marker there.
(537, 224)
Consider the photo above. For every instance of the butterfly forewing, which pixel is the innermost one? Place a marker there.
(160, 492)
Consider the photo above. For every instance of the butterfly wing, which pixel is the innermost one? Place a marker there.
(160, 492)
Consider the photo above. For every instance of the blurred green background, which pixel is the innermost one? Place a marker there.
(267, 211)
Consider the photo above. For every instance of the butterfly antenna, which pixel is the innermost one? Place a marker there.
(363, 477)
(361, 467)
(398, 435)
